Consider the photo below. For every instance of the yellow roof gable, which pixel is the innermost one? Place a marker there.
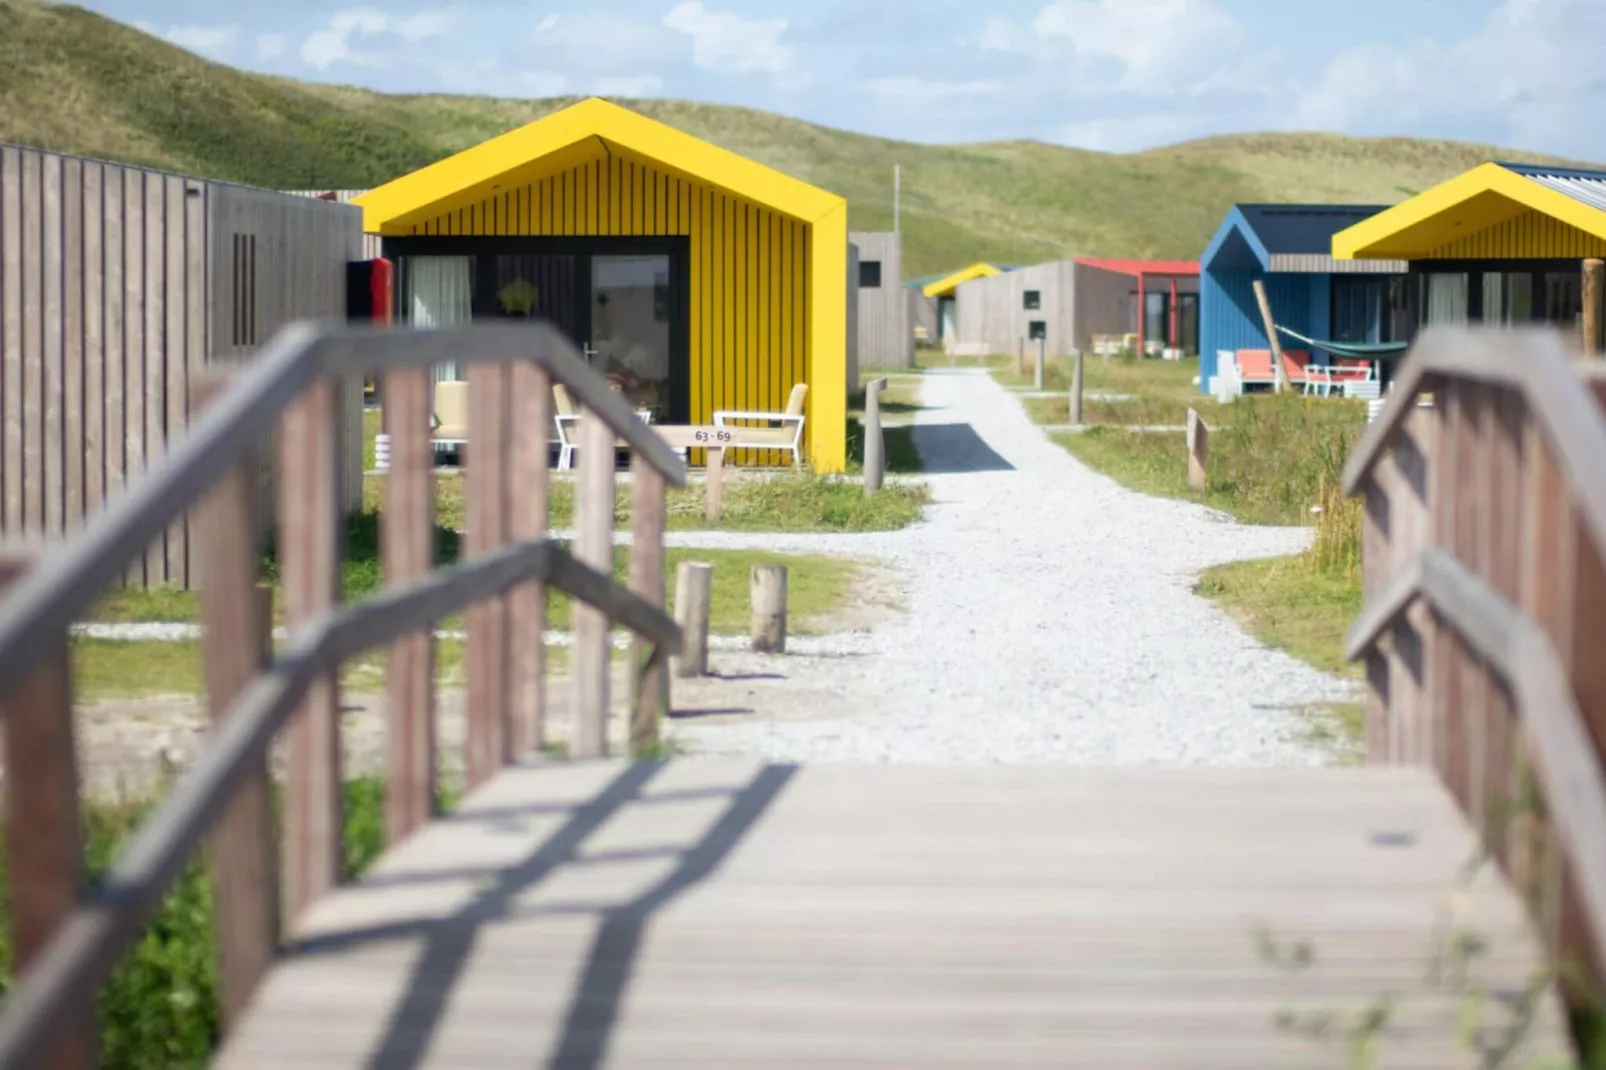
(946, 285)
(1476, 200)
(474, 172)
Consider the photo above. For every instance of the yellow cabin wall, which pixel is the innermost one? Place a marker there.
(1528, 235)
(749, 285)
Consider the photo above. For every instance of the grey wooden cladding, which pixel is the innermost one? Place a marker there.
(881, 313)
(117, 285)
(1484, 573)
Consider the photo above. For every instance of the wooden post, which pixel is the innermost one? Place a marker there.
(875, 445)
(694, 583)
(593, 546)
(649, 698)
(310, 535)
(1198, 450)
(1594, 297)
(714, 503)
(236, 643)
(407, 552)
(1037, 370)
(1279, 373)
(44, 853)
(529, 497)
(487, 715)
(769, 609)
(1076, 390)
(1020, 357)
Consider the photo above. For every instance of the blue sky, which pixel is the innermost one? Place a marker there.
(1104, 74)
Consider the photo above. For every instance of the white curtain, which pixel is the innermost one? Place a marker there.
(440, 293)
(1447, 299)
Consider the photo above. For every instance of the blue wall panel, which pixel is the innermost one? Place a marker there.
(1229, 316)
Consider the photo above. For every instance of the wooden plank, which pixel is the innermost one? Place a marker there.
(529, 503)
(154, 358)
(94, 223)
(489, 736)
(310, 529)
(33, 345)
(72, 425)
(649, 695)
(11, 341)
(236, 614)
(175, 358)
(196, 349)
(44, 854)
(136, 298)
(53, 261)
(115, 438)
(407, 525)
(593, 546)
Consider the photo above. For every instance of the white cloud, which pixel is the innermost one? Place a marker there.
(333, 43)
(596, 40)
(724, 41)
(1520, 69)
(1157, 47)
(214, 42)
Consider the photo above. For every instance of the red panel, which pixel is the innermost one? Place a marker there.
(382, 289)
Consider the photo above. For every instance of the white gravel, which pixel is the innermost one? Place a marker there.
(1050, 618)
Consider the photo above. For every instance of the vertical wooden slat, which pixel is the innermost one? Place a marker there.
(52, 248)
(487, 491)
(309, 571)
(594, 493)
(72, 347)
(195, 343)
(134, 301)
(94, 222)
(235, 645)
(11, 346)
(153, 367)
(1502, 785)
(649, 695)
(407, 535)
(44, 852)
(114, 437)
(33, 348)
(529, 505)
(175, 362)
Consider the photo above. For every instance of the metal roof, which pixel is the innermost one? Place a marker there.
(1141, 267)
(1302, 228)
(1582, 185)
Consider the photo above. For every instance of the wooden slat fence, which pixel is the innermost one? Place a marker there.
(67, 939)
(118, 285)
(1484, 627)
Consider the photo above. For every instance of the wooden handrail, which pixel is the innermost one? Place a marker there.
(98, 932)
(47, 600)
(1522, 654)
(1535, 361)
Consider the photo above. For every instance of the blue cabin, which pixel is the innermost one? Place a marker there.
(1290, 247)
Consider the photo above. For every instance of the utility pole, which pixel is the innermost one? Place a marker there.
(897, 183)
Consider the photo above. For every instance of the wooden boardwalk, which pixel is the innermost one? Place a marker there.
(727, 913)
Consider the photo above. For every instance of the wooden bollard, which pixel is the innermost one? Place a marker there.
(1198, 450)
(1037, 372)
(875, 444)
(1076, 390)
(1593, 291)
(769, 609)
(714, 504)
(694, 582)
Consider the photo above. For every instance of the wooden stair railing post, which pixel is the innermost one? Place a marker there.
(236, 643)
(311, 532)
(407, 545)
(594, 502)
(1503, 757)
(487, 738)
(530, 505)
(649, 677)
(44, 849)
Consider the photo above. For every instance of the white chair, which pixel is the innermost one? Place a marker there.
(567, 418)
(787, 436)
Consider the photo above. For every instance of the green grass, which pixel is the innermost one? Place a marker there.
(159, 1010)
(74, 81)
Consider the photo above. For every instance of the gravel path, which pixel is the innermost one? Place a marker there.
(1050, 618)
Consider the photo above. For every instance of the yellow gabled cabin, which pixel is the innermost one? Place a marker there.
(704, 280)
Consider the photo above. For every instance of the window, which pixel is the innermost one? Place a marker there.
(869, 274)
(1037, 330)
(245, 290)
(1032, 300)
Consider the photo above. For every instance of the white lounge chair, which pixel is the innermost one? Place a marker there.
(786, 437)
(567, 418)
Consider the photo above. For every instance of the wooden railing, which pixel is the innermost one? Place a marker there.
(65, 940)
(1484, 627)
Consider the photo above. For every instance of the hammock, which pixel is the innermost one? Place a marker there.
(1358, 350)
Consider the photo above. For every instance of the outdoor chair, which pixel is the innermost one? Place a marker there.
(786, 436)
(566, 416)
(1351, 377)
(449, 420)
